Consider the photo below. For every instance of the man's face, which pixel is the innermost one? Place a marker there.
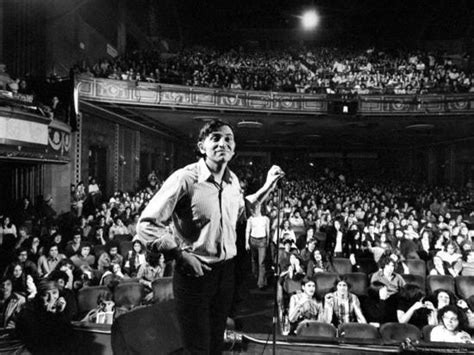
(113, 251)
(53, 252)
(22, 256)
(7, 287)
(50, 296)
(218, 146)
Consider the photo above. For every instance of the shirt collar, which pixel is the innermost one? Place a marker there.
(204, 174)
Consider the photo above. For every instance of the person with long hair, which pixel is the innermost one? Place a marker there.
(22, 283)
(342, 306)
(135, 258)
(414, 308)
(11, 303)
(451, 327)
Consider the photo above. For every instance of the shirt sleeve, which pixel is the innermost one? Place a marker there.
(151, 227)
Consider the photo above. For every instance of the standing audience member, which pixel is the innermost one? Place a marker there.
(257, 236)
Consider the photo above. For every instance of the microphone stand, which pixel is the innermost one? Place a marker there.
(276, 268)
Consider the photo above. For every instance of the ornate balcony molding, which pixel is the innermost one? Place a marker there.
(177, 96)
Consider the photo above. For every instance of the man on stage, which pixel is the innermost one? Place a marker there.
(204, 201)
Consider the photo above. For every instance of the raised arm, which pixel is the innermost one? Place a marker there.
(274, 174)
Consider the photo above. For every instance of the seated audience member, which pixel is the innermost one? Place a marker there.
(318, 264)
(11, 304)
(376, 308)
(437, 266)
(468, 263)
(98, 237)
(153, 269)
(111, 255)
(294, 271)
(57, 238)
(414, 308)
(135, 258)
(132, 226)
(113, 276)
(73, 245)
(342, 306)
(24, 238)
(440, 299)
(62, 279)
(35, 250)
(48, 262)
(43, 326)
(304, 305)
(22, 282)
(67, 266)
(29, 266)
(452, 258)
(307, 252)
(286, 233)
(83, 256)
(117, 228)
(86, 276)
(386, 275)
(450, 328)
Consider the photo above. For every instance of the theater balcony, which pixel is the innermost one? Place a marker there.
(34, 152)
(182, 97)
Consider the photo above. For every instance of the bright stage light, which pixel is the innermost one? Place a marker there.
(310, 20)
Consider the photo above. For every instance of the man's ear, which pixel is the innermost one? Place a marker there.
(200, 147)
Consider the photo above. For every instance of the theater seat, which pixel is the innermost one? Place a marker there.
(398, 332)
(88, 297)
(325, 282)
(147, 331)
(310, 328)
(359, 283)
(434, 282)
(162, 289)
(125, 247)
(291, 286)
(358, 331)
(129, 294)
(122, 237)
(416, 267)
(342, 265)
(367, 266)
(464, 286)
(426, 331)
(416, 280)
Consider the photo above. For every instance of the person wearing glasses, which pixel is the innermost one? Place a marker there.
(450, 328)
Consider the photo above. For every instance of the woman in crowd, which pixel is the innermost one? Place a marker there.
(117, 228)
(8, 231)
(11, 304)
(22, 283)
(305, 305)
(451, 327)
(318, 264)
(342, 306)
(135, 258)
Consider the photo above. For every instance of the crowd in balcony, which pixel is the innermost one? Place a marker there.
(319, 70)
(378, 228)
(33, 94)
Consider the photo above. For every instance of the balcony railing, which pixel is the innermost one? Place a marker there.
(176, 96)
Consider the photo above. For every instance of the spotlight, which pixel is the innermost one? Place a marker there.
(310, 20)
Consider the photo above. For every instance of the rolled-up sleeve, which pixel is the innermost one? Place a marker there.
(151, 227)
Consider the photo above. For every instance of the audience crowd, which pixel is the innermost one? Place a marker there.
(377, 226)
(318, 70)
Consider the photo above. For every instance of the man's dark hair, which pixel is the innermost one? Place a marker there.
(210, 127)
(55, 275)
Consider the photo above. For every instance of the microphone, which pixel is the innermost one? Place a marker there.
(282, 180)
